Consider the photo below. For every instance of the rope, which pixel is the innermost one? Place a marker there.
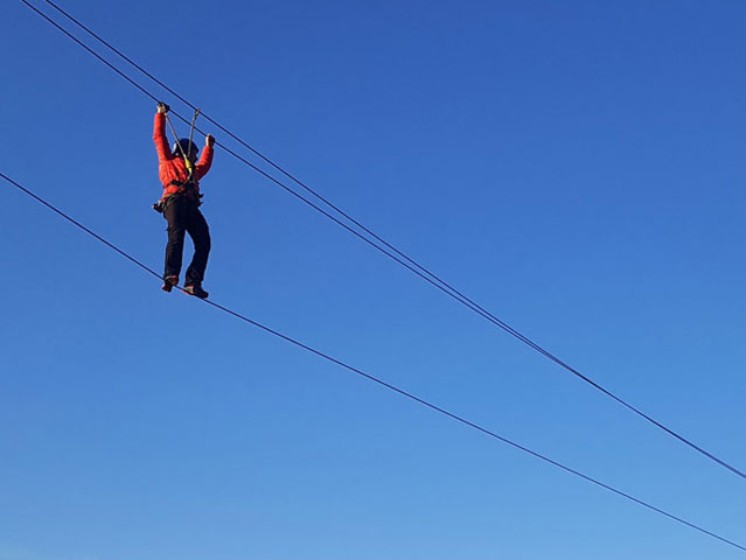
(387, 248)
(401, 392)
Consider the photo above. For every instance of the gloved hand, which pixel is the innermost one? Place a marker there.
(163, 108)
(209, 140)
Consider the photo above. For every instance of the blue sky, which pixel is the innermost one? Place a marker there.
(577, 168)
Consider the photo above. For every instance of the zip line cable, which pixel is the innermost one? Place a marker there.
(385, 247)
(380, 382)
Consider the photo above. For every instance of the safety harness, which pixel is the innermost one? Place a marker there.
(188, 187)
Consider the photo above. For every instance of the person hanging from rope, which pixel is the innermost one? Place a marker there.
(180, 173)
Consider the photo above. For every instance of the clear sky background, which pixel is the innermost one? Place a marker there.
(576, 167)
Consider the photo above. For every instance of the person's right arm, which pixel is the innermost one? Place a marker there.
(159, 133)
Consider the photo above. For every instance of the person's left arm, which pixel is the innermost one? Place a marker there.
(205, 160)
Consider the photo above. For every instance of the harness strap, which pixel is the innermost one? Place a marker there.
(188, 184)
(188, 187)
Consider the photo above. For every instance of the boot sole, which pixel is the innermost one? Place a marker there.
(168, 285)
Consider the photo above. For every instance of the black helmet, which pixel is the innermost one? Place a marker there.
(185, 147)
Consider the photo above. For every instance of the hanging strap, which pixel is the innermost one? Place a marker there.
(187, 162)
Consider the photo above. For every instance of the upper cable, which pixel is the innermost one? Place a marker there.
(365, 234)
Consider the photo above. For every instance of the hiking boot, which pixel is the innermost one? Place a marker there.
(196, 291)
(169, 282)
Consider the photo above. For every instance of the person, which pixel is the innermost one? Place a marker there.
(180, 173)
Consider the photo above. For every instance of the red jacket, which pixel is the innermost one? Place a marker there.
(171, 167)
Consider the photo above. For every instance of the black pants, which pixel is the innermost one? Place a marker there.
(183, 216)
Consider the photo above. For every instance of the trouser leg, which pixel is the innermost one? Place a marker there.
(175, 216)
(200, 234)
